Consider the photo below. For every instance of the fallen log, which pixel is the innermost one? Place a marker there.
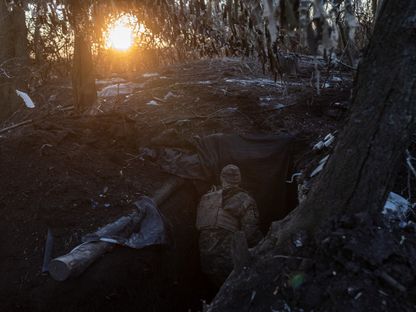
(81, 257)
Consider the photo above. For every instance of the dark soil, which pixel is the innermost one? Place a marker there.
(74, 173)
(355, 263)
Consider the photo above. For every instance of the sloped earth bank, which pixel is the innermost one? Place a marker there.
(73, 174)
(356, 263)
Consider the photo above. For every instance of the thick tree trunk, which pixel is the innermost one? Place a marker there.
(37, 38)
(13, 33)
(9, 101)
(6, 38)
(19, 33)
(360, 172)
(83, 80)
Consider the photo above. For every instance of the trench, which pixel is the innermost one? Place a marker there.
(167, 278)
(151, 279)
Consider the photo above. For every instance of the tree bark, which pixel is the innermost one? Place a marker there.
(83, 80)
(6, 39)
(19, 34)
(37, 38)
(361, 170)
(13, 46)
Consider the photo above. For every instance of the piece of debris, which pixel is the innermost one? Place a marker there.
(105, 82)
(391, 281)
(169, 95)
(47, 256)
(152, 103)
(357, 296)
(326, 142)
(297, 280)
(182, 122)
(26, 99)
(20, 124)
(298, 241)
(94, 204)
(396, 207)
(150, 75)
(120, 89)
(320, 167)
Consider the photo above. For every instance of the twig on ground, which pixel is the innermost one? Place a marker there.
(346, 65)
(391, 281)
(159, 99)
(20, 124)
(409, 159)
(4, 73)
(289, 257)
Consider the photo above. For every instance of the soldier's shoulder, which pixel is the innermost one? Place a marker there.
(244, 195)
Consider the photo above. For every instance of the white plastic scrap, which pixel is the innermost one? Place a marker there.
(150, 75)
(120, 89)
(113, 80)
(26, 99)
(169, 95)
(327, 141)
(321, 166)
(152, 103)
(250, 82)
(396, 207)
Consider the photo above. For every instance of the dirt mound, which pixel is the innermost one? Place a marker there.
(73, 174)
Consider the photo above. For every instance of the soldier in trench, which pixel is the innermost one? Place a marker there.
(220, 214)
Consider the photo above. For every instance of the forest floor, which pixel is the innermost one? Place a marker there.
(74, 173)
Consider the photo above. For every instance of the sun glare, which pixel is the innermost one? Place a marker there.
(120, 35)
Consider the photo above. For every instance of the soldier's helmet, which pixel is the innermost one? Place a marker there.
(230, 175)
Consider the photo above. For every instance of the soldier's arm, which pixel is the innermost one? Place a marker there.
(250, 223)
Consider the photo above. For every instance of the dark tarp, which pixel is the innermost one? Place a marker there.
(137, 230)
(265, 162)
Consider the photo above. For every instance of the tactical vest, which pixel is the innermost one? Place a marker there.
(211, 215)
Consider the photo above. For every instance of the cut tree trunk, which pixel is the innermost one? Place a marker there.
(79, 259)
(361, 170)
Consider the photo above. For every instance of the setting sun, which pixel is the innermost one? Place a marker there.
(120, 35)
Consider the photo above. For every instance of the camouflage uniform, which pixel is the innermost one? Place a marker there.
(220, 215)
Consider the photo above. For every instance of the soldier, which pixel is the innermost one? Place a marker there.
(220, 214)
